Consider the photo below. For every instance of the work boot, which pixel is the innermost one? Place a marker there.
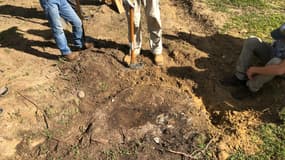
(87, 45)
(244, 93)
(127, 59)
(74, 56)
(158, 59)
(232, 81)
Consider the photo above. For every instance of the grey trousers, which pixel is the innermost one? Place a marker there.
(255, 48)
(152, 12)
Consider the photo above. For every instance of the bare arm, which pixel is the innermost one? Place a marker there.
(278, 69)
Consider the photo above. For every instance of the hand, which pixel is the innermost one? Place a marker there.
(251, 72)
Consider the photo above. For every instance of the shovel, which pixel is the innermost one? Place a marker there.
(133, 63)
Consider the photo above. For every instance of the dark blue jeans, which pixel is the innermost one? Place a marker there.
(57, 9)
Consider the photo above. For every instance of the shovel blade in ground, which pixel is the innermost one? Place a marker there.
(132, 64)
(136, 66)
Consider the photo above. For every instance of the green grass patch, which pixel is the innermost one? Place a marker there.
(273, 137)
(252, 17)
(259, 4)
(238, 3)
(118, 153)
(255, 24)
(273, 147)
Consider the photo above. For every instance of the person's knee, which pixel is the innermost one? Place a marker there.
(57, 30)
(274, 61)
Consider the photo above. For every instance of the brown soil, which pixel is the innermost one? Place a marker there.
(125, 114)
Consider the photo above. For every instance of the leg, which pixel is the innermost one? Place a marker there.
(138, 32)
(154, 25)
(258, 81)
(52, 10)
(252, 47)
(70, 15)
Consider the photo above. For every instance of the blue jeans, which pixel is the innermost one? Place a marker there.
(55, 9)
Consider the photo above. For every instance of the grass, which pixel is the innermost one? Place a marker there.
(117, 153)
(273, 137)
(252, 17)
(238, 3)
(256, 24)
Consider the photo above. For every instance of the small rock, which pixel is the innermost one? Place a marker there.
(161, 119)
(244, 31)
(104, 9)
(156, 140)
(77, 101)
(175, 53)
(77, 69)
(223, 155)
(81, 94)
(170, 126)
(200, 139)
(222, 147)
(1, 110)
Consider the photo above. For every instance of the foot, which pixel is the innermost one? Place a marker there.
(87, 45)
(244, 93)
(232, 81)
(127, 60)
(158, 59)
(74, 56)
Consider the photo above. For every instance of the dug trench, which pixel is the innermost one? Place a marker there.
(155, 112)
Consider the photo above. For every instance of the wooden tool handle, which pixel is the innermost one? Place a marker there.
(132, 33)
(78, 8)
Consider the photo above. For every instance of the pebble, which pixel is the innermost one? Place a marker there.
(223, 155)
(1, 110)
(156, 140)
(161, 119)
(81, 94)
(175, 53)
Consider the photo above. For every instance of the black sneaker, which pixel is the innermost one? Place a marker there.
(232, 81)
(244, 93)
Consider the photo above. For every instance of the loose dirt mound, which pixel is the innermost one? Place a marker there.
(124, 106)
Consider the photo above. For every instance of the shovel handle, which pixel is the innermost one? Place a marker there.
(132, 33)
(78, 8)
